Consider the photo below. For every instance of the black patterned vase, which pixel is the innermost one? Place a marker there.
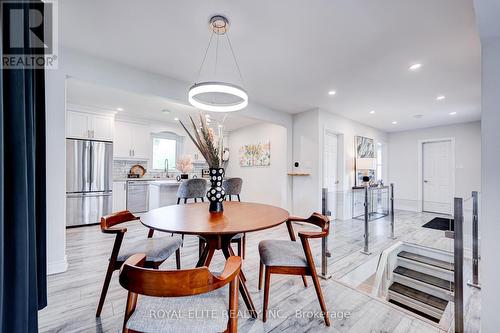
(216, 193)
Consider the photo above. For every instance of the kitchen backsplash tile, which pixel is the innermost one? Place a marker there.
(122, 167)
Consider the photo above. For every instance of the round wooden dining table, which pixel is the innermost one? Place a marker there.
(217, 229)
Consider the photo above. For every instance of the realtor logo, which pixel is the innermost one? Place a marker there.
(29, 34)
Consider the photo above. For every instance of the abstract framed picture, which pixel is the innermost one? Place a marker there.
(255, 155)
(363, 148)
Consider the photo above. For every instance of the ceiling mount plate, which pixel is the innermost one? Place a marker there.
(219, 24)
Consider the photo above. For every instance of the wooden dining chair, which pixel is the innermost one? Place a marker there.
(188, 291)
(157, 249)
(290, 257)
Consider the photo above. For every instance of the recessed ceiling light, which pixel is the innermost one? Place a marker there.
(453, 113)
(372, 112)
(394, 122)
(219, 126)
(440, 97)
(414, 67)
(119, 109)
(332, 92)
(176, 118)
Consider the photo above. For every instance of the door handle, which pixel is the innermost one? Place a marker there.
(426, 181)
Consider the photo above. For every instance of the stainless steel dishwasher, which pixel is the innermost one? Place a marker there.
(137, 196)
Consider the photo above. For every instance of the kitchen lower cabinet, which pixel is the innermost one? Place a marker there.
(119, 196)
(162, 193)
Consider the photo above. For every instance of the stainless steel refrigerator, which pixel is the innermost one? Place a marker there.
(89, 181)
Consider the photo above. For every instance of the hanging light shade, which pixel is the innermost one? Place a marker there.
(218, 96)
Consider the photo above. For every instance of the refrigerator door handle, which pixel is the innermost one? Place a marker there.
(91, 163)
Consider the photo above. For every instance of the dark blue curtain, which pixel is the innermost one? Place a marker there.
(23, 288)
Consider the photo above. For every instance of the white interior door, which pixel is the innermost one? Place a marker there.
(437, 177)
(330, 179)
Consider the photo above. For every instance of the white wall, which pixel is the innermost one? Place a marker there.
(261, 184)
(490, 184)
(308, 134)
(101, 71)
(404, 161)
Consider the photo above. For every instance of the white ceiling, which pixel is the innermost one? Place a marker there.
(292, 52)
(145, 107)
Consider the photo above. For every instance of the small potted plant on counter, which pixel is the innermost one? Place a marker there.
(185, 165)
(211, 147)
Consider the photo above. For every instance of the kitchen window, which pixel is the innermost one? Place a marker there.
(166, 146)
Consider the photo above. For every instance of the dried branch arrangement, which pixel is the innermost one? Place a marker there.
(204, 138)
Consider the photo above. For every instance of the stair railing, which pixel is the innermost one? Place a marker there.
(325, 253)
(458, 247)
(475, 241)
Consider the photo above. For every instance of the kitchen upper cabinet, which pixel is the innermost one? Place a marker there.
(102, 127)
(83, 125)
(77, 125)
(132, 141)
(119, 196)
(123, 140)
(141, 143)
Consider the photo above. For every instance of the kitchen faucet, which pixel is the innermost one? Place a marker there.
(165, 163)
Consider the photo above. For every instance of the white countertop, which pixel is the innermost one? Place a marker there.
(149, 179)
(165, 182)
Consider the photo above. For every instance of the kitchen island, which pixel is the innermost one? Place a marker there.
(163, 193)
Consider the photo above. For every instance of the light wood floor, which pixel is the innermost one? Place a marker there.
(73, 295)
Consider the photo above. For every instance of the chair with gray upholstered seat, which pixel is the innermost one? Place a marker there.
(157, 249)
(195, 188)
(232, 186)
(158, 302)
(290, 257)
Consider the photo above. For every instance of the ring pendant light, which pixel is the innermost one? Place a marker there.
(219, 25)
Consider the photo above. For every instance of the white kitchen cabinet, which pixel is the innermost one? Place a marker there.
(83, 125)
(141, 144)
(102, 127)
(119, 196)
(77, 125)
(132, 141)
(123, 140)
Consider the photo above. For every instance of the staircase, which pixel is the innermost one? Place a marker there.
(421, 282)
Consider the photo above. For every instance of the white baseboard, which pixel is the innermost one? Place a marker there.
(56, 267)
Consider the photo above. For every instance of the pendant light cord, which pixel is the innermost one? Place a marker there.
(204, 57)
(234, 57)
